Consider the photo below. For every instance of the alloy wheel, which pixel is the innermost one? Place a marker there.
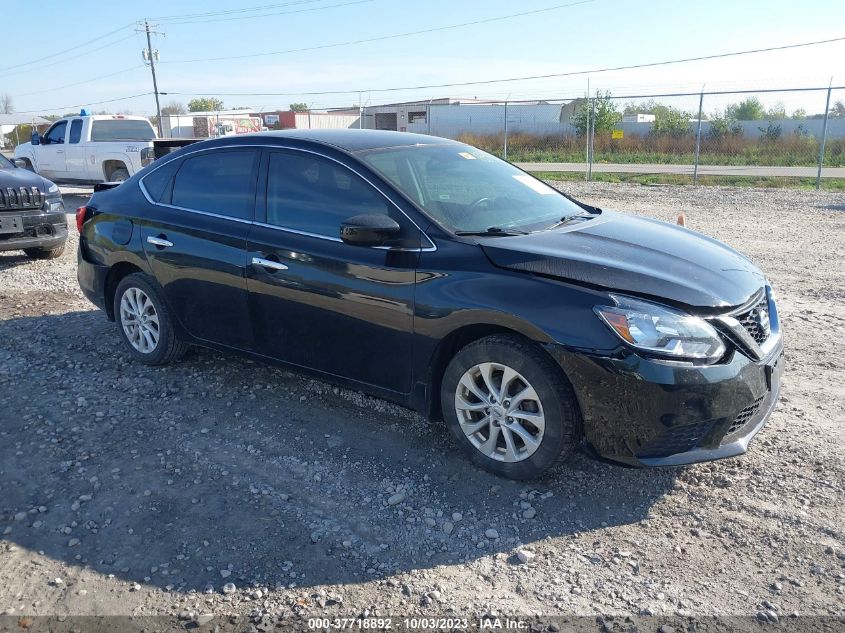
(139, 320)
(500, 412)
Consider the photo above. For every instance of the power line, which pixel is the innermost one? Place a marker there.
(67, 59)
(167, 18)
(526, 78)
(79, 83)
(83, 105)
(264, 15)
(383, 37)
(68, 50)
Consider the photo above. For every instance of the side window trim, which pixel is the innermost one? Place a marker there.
(261, 196)
(168, 191)
(283, 149)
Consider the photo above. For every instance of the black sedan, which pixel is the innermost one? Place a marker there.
(432, 274)
(32, 215)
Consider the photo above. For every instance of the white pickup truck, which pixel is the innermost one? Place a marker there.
(94, 148)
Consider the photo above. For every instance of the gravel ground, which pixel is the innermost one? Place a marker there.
(226, 487)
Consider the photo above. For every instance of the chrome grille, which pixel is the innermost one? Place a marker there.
(756, 321)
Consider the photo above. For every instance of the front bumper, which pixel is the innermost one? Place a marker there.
(645, 412)
(41, 229)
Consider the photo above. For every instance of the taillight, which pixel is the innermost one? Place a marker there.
(81, 212)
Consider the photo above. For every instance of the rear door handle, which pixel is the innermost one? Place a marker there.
(268, 263)
(158, 241)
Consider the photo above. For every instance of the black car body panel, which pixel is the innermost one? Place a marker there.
(382, 319)
(32, 215)
(634, 254)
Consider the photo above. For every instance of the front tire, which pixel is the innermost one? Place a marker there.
(44, 253)
(145, 322)
(509, 407)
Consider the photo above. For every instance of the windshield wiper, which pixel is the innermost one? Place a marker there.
(567, 219)
(494, 231)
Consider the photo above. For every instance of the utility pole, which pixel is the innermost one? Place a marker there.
(151, 54)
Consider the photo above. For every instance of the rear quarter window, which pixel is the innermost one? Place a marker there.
(157, 183)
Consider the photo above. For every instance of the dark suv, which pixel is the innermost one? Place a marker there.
(32, 216)
(432, 274)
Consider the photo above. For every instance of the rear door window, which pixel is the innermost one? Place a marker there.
(221, 182)
(75, 131)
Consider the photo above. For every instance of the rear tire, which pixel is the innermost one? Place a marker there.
(119, 175)
(509, 407)
(145, 322)
(45, 253)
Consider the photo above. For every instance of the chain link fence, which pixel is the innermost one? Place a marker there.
(746, 137)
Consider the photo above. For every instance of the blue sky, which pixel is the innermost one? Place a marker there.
(594, 34)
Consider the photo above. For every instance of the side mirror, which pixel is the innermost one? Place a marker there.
(369, 229)
(35, 139)
(19, 162)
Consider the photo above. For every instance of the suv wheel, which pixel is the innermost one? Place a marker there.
(45, 253)
(145, 323)
(509, 407)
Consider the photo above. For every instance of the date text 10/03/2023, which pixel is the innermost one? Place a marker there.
(417, 623)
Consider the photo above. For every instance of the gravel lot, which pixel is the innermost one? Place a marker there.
(221, 486)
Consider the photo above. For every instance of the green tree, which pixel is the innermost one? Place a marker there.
(299, 107)
(838, 109)
(205, 104)
(776, 112)
(748, 110)
(771, 132)
(671, 122)
(799, 114)
(174, 107)
(722, 126)
(607, 114)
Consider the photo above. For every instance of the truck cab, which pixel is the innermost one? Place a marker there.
(90, 148)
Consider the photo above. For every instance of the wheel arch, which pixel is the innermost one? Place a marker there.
(112, 164)
(455, 341)
(115, 275)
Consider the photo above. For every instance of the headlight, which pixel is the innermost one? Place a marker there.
(662, 331)
(53, 189)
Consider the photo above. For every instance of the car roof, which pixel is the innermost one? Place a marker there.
(351, 140)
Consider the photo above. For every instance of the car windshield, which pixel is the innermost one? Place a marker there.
(5, 163)
(468, 190)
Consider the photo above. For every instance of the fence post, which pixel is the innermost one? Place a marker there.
(592, 140)
(506, 131)
(824, 137)
(360, 112)
(428, 116)
(698, 139)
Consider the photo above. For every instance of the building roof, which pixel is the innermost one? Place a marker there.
(22, 119)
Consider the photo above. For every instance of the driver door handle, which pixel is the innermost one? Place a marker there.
(268, 263)
(158, 241)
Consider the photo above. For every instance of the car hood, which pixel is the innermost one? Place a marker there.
(19, 177)
(635, 255)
